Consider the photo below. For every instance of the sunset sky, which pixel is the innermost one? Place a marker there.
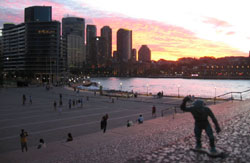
(171, 28)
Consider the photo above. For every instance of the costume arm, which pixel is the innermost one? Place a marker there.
(183, 105)
(217, 126)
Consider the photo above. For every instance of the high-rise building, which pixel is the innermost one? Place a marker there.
(73, 26)
(90, 35)
(98, 47)
(33, 48)
(14, 49)
(124, 45)
(73, 31)
(133, 55)
(144, 54)
(38, 13)
(106, 32)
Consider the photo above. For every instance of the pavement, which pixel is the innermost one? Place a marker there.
(165, 139)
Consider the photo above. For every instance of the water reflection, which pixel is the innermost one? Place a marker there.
(197, 87)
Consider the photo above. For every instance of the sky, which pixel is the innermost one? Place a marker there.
(172, 29)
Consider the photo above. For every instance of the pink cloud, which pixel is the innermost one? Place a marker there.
(216, 22)
(230, 33)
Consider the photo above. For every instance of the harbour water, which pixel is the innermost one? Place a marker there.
(177, 86)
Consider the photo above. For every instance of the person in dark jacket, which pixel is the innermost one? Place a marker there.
(201, 113)
(104, 122)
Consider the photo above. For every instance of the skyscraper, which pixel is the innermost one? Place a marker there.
(90, 35)
(144, 54)
(73, 30)
(124, 45)
(133, 55)
(38, 13)
(73, 26)
(106, 33)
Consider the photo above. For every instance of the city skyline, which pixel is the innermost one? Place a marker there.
(170, 29)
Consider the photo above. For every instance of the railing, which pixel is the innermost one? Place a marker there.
(232, 98)
(170, 108)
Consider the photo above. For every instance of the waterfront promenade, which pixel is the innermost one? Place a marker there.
(156, 140)
(40, 119)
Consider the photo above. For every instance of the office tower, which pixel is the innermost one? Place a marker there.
(73, 31)
(73, 26)
(14, 49)
(90, 35)
(144, 54)
(1, 61)
(98, 47)
(38, 13)
(33, 48)
(133, 55)
(124, 45)
(106, 32)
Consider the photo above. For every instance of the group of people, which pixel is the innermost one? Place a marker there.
(73, 103)
(41, 144)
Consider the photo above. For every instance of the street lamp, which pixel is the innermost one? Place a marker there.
(121, 85)
(178, 91)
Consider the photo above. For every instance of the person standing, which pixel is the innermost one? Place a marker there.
(30, 100)
(69, 103)
(24, 99)
(153, 111)
(23, 140)
(104, 123)
(55, 105)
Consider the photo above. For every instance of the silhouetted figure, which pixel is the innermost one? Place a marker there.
(70, 138)
(24, 99)
(41, 144)
(55, 105)
(104, 122)
(153, 111)
(69, 103)
(201, 113)
(23, 140)
(30, 100)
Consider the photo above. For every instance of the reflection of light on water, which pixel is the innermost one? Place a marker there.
(197, 87)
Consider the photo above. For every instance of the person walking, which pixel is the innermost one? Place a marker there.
(23, 140)
(201, 113)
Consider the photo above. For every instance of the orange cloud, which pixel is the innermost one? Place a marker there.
(167, 41)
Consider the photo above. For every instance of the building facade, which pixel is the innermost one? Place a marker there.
(133, 55)
(73, 31)
(38, 14)
(106, 33)
(33, 48)
(124, 45)
(90, 36)
(144, 54)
